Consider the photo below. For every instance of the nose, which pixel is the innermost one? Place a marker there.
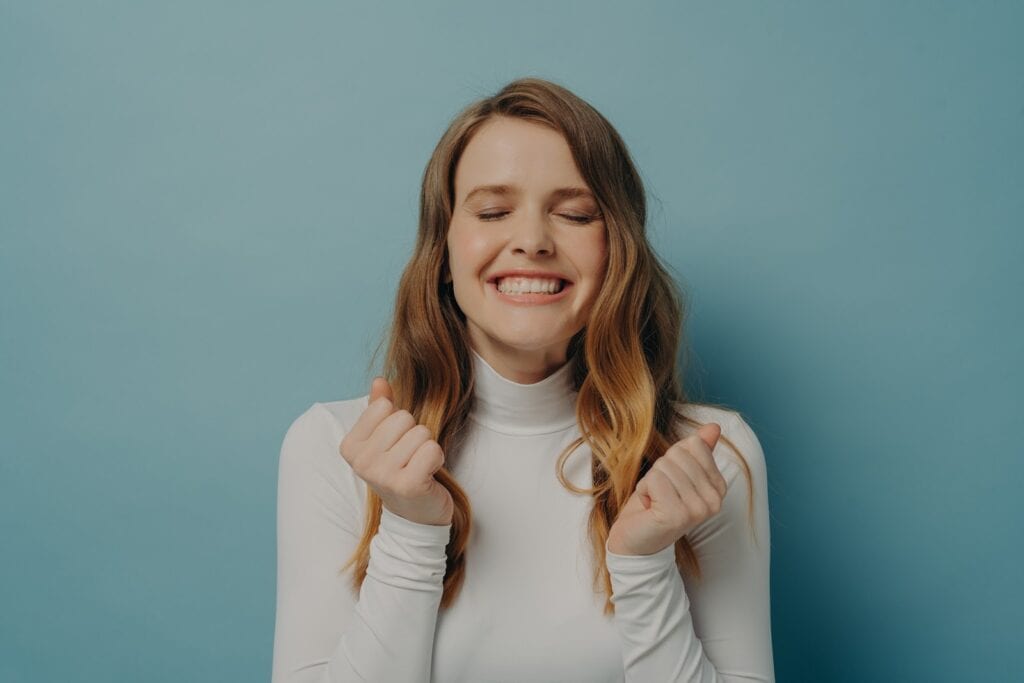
(531, 236)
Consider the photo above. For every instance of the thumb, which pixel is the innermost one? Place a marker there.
(380, 387)
(709, 433)
(644, 493)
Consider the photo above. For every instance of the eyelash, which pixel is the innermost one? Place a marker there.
(582, 220)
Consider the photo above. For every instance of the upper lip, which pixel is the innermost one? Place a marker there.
(526, 272)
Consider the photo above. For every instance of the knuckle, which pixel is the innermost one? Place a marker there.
(681, 449)
(365, 473)
(347, 449)
(661, 465)
(405, 418)
(379, 405)
(434, 451)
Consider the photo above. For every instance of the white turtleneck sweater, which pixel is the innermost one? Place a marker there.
(527, 610)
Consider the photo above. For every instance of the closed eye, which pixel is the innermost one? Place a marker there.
(491, 216)
(575, 219)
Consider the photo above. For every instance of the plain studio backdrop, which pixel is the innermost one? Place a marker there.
(205, 208)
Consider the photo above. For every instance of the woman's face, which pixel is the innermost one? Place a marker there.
(543, 219)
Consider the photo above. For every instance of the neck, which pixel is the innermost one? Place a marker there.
(511, 407)
(523, 367)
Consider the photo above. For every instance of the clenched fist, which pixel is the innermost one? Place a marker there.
(396, 457)
(681, 490)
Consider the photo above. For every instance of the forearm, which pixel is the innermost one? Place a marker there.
(323, 632)
(718, 627)
(652, 616)
(391, 634)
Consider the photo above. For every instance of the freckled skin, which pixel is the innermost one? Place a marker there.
(529, 229)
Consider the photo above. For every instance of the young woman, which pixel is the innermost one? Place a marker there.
(526, 494)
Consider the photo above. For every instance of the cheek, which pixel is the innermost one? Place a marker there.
(597, 261)
(468, 252)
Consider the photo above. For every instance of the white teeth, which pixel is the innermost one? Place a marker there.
(519, 285)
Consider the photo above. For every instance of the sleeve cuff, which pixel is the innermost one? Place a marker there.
(425, 533)
(639, 564)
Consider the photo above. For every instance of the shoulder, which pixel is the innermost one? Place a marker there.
(345, 412)
(328, 418)
(313, 437)
(312, 474)
(734, 428)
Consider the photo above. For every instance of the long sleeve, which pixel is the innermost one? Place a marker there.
(717, 629)
(322, 633)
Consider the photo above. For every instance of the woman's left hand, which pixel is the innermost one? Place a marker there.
(681, 490)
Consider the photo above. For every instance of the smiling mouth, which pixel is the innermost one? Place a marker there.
(531, 297)
(561, 284)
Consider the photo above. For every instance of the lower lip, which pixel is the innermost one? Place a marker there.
(531, 299)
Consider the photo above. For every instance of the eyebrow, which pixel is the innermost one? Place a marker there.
(560, 193)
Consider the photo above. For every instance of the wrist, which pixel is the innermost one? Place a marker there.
(617, 546)
(415, 517)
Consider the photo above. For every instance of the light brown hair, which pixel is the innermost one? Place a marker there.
(623, 361)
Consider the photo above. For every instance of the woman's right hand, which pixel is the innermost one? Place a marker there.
(396, 457)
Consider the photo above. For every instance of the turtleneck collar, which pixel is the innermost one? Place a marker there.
(522, 409)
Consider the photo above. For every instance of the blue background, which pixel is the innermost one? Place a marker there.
(205, 208)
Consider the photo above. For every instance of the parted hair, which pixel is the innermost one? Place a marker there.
(629, 407)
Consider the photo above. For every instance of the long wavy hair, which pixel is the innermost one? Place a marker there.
(630, 391)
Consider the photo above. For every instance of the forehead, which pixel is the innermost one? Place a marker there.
(509, 157)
